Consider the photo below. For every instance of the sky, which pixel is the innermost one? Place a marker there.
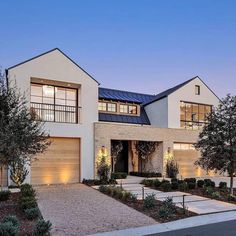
(138, 45)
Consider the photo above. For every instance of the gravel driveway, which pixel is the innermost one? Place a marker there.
(80, 210)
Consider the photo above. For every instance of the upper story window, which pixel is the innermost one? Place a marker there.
(193, 115)
(117, 107)
(183, 146)
(197, 89)
(56, 104)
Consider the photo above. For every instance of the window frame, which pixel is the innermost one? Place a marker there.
(197, 89)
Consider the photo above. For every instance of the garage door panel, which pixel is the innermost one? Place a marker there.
(59, 164)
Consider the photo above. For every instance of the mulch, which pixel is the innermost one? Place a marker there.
(10, 207)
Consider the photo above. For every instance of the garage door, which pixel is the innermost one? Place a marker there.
(59, 164)
(185, 155)
(3, 181)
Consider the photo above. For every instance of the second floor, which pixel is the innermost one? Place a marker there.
(60, 92)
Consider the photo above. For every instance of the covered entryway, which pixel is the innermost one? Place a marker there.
(59, 164)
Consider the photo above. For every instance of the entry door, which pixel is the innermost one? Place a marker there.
(122, 159)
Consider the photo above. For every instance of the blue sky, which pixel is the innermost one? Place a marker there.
(138, 45)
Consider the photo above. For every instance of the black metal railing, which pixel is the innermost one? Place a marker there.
(55, 113)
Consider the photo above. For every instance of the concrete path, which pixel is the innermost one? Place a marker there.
(197, 204)
(80, 210)
(193, 226)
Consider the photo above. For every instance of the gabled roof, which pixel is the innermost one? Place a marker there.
(169, 91)
(54, 49)
(124, 96)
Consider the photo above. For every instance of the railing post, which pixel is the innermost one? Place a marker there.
(142, 193)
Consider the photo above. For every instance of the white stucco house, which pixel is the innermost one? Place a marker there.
(82, 118)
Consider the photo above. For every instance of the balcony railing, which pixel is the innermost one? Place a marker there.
(55, 113)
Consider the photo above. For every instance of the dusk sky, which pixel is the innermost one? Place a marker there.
(138, 45)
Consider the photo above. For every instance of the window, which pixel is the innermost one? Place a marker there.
(52, 103)
(111, 107)
(193, 116)
(183, 146)
(102, 106)
(123, 108)
(197, 89)
(132, 109)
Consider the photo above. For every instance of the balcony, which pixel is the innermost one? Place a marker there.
(55, 113)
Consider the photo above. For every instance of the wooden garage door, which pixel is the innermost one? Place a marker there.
(3, 181)
(59, 164)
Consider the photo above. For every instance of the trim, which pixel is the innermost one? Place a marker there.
(54, 49)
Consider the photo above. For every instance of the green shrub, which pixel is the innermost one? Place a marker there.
(200, 183)
(216, 195)
(8, 229)
(168, 202)
(103, 188)
(223, 185)
(126, 196)
(118, 175)
(209, 183)
(91, 182)
(167, 209)
(180, 181)
(117, 192)
(32, 213)
(27, 202)
(156, 183)
(232, 198)
(133, 197)
(174, 185)
(166, 185)
(183, 186)
(209, 190)
(174, 180)
(42, 227)
(146, 174)
(27, 190)
(172, 168)
(149, 201)
(4, 195)
(190, 180)
(191, 185)
(147, 182)
(13, 219)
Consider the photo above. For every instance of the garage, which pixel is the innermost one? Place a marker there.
(185, 154)
(59, 164)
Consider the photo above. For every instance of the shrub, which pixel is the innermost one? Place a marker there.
(166, 186)
(133, 197)
(168, 202)
(27, 190)
(117, 192)
(4, 195)
(103, 188)
(200, 183)
(174, 185)
(172, 168)
(190, 180)
(174, 180)
(149, 201)
(216, 195)
(167, 209)
(8, 229)
(42, 227)
(32, 213)
(146, 174)
(147, 182)
(12, 219)
(209, 183)
(27, 202)
(126, 196)
(209, 190)
(103, 169)
(118, 175)
(156, 183)
(232, 198)
(183, 186)
(191, 185)
(223, 185)
(91, 182)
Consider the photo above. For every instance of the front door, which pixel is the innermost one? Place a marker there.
(121, 164)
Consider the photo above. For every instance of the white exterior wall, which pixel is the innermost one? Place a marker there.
(55, 66)
(187, 94)
(157, 113)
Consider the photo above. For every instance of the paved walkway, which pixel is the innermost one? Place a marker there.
(197, 204)
(80, 210)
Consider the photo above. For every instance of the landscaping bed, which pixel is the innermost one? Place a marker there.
(204, 188)
(160, 211)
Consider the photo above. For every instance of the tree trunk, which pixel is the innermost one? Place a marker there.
(232, 184)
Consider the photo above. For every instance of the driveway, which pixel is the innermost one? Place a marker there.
(80, 210)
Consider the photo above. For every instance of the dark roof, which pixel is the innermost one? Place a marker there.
(124, 96)
(168, 91)
(141, 120)
(54, 49)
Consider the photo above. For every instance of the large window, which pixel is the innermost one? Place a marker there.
(193, 116)
(183, 146)
(52, 103)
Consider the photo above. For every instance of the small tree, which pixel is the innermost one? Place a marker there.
(217, 140)
(103, 169)
(18, 172)
(145, 149)
(172, 168)
(116, 148)
(21, 136)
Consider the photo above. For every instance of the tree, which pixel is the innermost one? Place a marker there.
(145, 149)
(21, 136)
(18, 172)
(172, 168)
(217, 140)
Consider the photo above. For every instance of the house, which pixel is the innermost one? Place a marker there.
(84, 119)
